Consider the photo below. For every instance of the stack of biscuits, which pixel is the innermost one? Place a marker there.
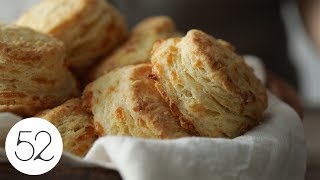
(151, 82)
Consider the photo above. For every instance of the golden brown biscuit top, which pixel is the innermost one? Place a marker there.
(59, 114)
(156, 24)
(52, 15)
(227, 70)
(137, 48)
(208, 67)
(22, 43)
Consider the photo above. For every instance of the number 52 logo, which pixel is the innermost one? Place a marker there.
(34, 146)
(39, 155)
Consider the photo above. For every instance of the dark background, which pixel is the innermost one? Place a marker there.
(252, 26)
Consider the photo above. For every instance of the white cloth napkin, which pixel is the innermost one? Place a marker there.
(275, 149)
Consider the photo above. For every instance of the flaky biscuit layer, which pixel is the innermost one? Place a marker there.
(74, 124)
(33, 76)
(89, 28)
(208, 85)
(126, 102)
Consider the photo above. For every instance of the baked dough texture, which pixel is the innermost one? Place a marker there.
(33, 76)
(126, 102)
(137, 48)
(74, 124)
(208, 85)
(89, 28)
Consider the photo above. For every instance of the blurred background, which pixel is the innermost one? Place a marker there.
(285, 34)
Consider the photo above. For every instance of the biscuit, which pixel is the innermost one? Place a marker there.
(33, 76)
(89, 28)
(74, 124)
(126, 102)
(137, 48)
(208, 85)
